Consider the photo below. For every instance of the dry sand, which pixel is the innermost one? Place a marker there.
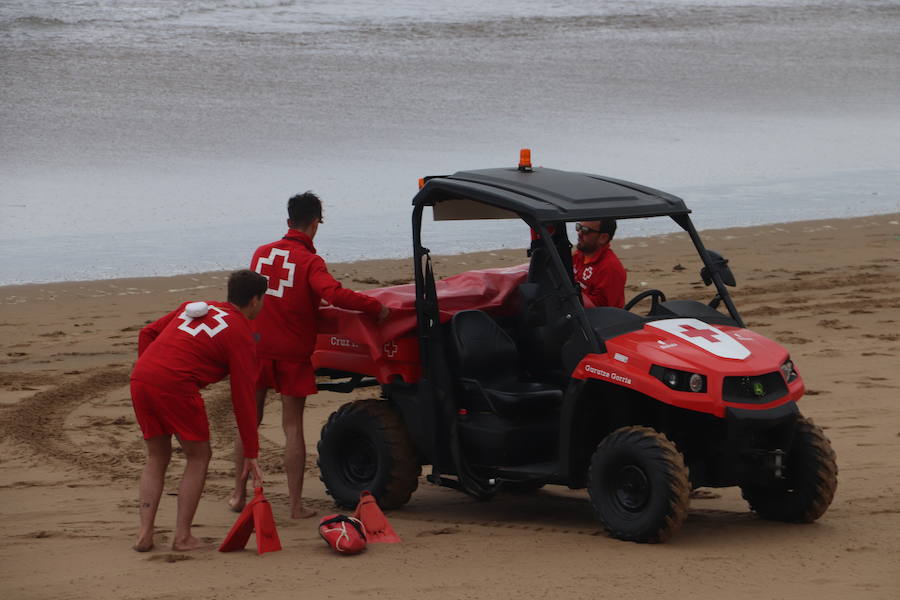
(71, 453)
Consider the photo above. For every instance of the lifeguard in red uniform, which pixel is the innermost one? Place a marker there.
(298, 282)
(196, 344)
(597, 268)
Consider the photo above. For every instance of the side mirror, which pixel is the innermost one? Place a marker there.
(720, 266)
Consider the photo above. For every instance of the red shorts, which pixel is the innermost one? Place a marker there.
(287, 377)
(164, 412)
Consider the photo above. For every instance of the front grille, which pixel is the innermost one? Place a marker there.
(754, 389)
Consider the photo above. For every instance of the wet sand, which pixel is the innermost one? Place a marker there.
(71, 452)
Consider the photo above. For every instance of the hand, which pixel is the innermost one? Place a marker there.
(251, 468)
(383, 314)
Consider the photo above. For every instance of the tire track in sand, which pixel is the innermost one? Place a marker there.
(38, 423)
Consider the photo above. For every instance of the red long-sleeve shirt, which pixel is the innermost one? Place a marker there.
(179, 353)
(298, 281)
(601, 277)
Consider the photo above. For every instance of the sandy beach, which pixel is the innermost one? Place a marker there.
(71, 452)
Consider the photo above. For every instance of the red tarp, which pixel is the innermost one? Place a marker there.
(490, 290)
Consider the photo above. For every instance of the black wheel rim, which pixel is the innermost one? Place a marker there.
(360, 460)
(631, 488)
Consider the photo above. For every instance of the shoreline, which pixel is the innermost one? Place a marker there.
(353, 271)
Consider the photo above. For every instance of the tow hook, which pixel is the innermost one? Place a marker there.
(779, 464)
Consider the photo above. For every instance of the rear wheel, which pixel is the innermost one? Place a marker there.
(809, 484)
(364, 446)
(639, 485)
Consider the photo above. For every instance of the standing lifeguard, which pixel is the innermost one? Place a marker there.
(298, 282)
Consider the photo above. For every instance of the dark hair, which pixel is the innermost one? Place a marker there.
(608, 226)
(304, 209)
(244, 285)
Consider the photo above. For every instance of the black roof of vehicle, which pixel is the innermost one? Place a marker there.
(548, 195)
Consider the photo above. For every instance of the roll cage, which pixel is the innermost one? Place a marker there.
(545, 199)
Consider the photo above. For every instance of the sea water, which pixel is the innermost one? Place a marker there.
(154, 137)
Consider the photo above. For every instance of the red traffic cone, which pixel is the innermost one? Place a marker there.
(257, 515)
(264, 522)
(378, 530)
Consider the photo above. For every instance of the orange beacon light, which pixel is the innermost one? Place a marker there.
(525, 159)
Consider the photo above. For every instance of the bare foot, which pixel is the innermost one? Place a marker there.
(192, 543)
(303, 513)
(143, 546)
(236, 503)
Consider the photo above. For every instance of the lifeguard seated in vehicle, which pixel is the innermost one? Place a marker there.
(598, 270)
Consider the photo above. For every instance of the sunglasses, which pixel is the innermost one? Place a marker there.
(584, 229)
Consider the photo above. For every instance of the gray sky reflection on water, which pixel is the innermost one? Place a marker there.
(192, 121)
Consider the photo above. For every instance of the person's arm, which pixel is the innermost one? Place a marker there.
(243, 369)
(329, 288)
(151, 332)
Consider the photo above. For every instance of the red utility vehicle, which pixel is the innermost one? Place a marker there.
(502, 378)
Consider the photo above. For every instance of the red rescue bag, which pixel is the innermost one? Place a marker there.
(344, 534)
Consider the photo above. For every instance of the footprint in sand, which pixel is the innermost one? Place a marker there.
(41, 534)
(169, 557)
(441, 531)
(829, 353)
(367, 280)
(885, 337)
(834, 324)
(791, 340)
(816, 392)
(704, 494)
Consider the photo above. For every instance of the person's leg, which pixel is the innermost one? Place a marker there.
(294, 452)
(159, 451)
(192, 482)
(238, 498)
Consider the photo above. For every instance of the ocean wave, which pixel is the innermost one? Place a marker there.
(112, 13)
(34, 21)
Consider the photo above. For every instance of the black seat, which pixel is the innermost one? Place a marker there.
(489, 368)
(609, 322)
(543, 303)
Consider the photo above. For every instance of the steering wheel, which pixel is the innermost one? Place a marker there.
(656, 295)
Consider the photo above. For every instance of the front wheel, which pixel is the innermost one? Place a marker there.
(809, 484)
(364, 446)
(639, 485)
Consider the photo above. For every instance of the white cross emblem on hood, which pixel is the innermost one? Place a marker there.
(713, 340)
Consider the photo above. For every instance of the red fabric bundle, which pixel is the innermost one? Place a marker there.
(346, 535)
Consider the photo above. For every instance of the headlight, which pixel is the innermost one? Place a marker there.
(696, 382)
(788, 371)
(682, 381)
